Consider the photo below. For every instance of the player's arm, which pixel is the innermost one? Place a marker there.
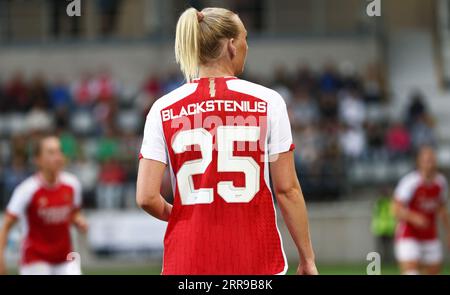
(292, 204)
(80, 222)
(148, 187)
(8, 222)
(402, 212)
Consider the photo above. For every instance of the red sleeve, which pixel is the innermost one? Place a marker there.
(292, 147)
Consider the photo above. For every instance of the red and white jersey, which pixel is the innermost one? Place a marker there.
(46, 213)
(422, 197)
(216, 135)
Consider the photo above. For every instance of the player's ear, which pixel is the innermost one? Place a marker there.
(231, 48)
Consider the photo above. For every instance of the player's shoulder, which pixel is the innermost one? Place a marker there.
(28, 185)
(412, 178)
(69, 179)
(175, 95)
(441, 180)
(256, 90)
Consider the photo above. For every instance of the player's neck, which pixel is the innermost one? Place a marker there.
(428, 176)
(215, 70)
(49, 178)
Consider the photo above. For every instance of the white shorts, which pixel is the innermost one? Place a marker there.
(44, 268)
(425, 252)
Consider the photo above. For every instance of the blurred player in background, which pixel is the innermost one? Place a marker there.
(217, 133)
(47, 204)
(419, 199)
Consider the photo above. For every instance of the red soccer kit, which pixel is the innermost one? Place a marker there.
(46, 213)
(422, 197)
(216, 135)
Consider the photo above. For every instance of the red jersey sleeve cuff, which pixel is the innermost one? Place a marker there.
(292, 147)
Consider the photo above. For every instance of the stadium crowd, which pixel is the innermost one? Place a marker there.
(339, 118)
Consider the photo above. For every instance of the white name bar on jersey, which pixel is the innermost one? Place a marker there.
(213, 105)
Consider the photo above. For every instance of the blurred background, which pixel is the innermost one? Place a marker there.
(362, 93)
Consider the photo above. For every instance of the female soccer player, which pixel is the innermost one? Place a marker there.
(47, 203)
(220, 137)
(419, 199)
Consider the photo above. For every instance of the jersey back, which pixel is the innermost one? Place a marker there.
(216, 135)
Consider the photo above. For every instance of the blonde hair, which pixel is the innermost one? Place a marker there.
(199, 35)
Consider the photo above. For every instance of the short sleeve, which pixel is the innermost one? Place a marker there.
(153, 144)
(405, 189)
(72, 181)
(280, 136)
(19, 201)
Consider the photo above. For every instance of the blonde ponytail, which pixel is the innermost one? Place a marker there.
(186, 43)
(198, 37)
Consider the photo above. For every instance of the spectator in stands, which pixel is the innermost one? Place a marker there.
(14, 174)
(105, 116)
(312, 144)
(60, 96)
(129, 185)
(352, 109)
(104, 87)
(281, 77)
(352, 141)
(82, 91)
(19, 145)
(152, 86)
(38, 92)
(422, 133)
(69, 145)
(398, 140)
(3, 101)
(16, 93)
(39, 120)
(110, 184)
(149, 93)
(61, 103)
(332, 169)
(373, 84)
(375, 141)
(172, 82)
(416, 109)
(304, 109)
(108, 145)
(328, 107)
(330, 80)
(282, 83)
(87, 172)
(305, 79)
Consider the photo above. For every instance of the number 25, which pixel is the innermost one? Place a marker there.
(226, 162)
